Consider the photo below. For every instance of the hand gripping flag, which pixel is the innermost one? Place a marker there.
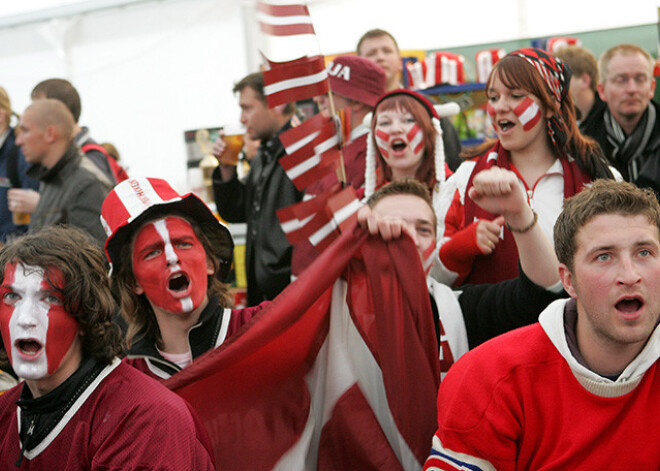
(340, 371)
(284, 20)
(287, 82)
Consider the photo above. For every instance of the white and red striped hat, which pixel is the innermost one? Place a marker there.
(136, 200)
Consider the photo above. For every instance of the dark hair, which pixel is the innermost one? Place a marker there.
(603, 197)
(135, 308)
(404, 186)
(375, 33)
(61, 90)
(86, 291)
(426, 171)
(256, 82)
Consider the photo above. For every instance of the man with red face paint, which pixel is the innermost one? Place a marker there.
(79, 407)
(169, 255)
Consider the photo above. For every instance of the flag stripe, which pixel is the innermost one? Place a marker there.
(286, 30)
(283, 10)
(294, 82)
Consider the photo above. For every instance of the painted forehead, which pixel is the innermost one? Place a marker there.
(173, 223)
(49, 277)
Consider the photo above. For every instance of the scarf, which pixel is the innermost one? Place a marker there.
(502, 263)
(628, 150)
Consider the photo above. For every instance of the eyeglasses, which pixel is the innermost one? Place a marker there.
(621, 80)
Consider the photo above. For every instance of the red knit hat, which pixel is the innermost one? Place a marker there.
(133, 201)
(357, 78)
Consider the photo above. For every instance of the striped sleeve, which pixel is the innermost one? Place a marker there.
(445, 459)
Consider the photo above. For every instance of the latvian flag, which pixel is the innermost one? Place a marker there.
(340, 371)
(284, 20)
(339, 213)
(303, 134)
(294, 219)
(314, 160)
(528, 112)
(287, 82)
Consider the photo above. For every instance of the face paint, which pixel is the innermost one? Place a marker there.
(491, 112)
(528, 112)
(382, 141)
(415, 138)
(36, 329)
(428, 256)
(170, 265)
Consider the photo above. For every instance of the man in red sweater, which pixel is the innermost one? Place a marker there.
(79, 407)
(578, 390)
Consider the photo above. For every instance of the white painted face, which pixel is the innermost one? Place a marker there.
(36, 329)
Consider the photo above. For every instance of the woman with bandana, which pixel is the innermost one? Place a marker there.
(531, 109)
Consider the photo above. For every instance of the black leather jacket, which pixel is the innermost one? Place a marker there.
(265, 190)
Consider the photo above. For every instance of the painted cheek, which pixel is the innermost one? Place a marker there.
(416, 139)
(192, 260)
(62, 331)
(428, 257)
(62, 327)
(382, 141)
(6, 311)
(528, 113)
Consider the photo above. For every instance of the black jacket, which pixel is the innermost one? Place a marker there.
(649, 173)
(266, 189)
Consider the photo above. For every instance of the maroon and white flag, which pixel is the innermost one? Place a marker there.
(287, 82)
(340, 371)
(295, 138)
(314, 160)
(284, 20)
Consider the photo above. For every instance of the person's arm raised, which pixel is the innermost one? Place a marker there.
(498, 191)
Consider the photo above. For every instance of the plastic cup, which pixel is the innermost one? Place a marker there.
(234, 145)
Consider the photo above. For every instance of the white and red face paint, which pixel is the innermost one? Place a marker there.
(414, 138)
(170, 265)
(527, 112)
(36, 329)
(428, 257)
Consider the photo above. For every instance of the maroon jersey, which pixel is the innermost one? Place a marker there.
(122, 420)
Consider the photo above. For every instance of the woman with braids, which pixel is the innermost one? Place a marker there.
(78, 406)
(405, 142)
(532, 111)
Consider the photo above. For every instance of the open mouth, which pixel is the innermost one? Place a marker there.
(178, 283)
(505, 125)
(29, 347)
(399, 145)
(629, 305)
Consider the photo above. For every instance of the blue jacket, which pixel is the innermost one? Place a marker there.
(7, 227)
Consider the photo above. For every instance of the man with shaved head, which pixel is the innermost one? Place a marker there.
(72, 187)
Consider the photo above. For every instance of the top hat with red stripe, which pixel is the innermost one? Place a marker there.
(134, 201)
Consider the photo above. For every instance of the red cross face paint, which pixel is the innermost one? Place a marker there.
(36, 329)
(170, 265)
(528, 112)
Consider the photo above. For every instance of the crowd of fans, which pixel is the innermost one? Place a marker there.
(555, 221)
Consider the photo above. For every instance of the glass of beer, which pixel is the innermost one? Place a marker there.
(233, 137)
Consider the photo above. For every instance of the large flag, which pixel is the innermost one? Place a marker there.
(340, 371)
(287, 82)
(284, 20)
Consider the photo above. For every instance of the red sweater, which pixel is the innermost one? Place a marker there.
(515, 403)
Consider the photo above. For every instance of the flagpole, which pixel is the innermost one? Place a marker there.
(341, 171)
